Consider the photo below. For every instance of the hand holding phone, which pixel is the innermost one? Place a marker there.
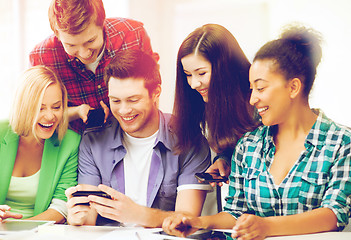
(210, 177)
(87, 193)
(96, 118)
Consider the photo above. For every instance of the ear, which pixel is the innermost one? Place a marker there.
(295, 87)
(156, 93)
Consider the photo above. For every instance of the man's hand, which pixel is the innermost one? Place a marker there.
(219, 167)
(5, 213)
(106, 110)
(121, 208)
(78, 213)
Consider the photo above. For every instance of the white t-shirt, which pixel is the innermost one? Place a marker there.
(137, 163)
(92, 66)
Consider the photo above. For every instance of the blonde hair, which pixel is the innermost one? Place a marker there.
(28, 100)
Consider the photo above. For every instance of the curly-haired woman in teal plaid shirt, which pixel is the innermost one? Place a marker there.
(292, 175)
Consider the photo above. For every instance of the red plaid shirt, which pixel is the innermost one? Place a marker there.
(83, 86)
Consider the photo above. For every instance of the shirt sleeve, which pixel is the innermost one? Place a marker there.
(69, 173)
(193, 162)
(60, 206)
(235, 201)
(88, 172)
(140, 36)
(338, 194)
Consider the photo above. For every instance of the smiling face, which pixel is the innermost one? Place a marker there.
(51, 112)
(86, 46)
(133, 107)
(198, 72)
(270, 92)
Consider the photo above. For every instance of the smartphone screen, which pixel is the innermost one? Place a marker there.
(96, 118)
(208, 177)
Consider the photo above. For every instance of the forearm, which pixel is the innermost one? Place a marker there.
(317, 220)
(73, 113)
(49, 215)
(151, 217)
(222, 220)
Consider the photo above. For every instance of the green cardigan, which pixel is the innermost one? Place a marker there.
(58, 167)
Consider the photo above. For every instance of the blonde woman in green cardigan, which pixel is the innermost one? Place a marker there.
(38, 155)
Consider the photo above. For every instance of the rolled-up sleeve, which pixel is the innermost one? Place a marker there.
(338, 194)
(193, 162)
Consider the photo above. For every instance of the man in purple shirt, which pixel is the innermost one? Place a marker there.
(132, 158)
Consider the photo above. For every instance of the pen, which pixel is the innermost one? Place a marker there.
(137, 235)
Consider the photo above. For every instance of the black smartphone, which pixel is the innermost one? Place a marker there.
(87, 193)
(210, 177)
(96, 118)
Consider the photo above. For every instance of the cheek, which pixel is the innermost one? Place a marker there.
(207, 80)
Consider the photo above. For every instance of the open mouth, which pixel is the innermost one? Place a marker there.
(203, 92)
(129, 118)
(262, 110)
(46, 126)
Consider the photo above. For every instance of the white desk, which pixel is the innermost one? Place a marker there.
(66, 232)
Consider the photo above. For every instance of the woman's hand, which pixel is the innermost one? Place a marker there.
(181, 224)
(249, 227)
(219, 167)
(5, 213)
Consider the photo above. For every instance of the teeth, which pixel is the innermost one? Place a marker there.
(128, 118)
(46, 125)
(262, 109)
(203, 91)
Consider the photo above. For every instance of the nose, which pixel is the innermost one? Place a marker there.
(124, 109)
(253, 98)
(49, 115)
(194, 82)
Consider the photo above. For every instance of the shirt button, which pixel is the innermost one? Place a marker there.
(113, 161)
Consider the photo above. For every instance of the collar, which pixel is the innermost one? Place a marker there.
(164, 136)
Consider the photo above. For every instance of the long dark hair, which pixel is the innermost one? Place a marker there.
(227, 114)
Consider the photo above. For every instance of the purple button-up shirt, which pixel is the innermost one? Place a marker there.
(101, 162)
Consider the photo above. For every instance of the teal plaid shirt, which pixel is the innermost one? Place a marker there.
(320, 178)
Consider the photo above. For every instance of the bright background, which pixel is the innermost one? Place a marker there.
(23, 23)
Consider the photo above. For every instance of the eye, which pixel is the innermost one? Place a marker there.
(203, 73)
(133, 100)
(115, 100)
(187, 74)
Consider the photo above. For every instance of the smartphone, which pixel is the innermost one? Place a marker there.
(210, 177)
(96, 118)
(87, 193)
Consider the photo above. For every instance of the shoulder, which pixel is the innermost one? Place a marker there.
(331, 132)
(71, 136)
(255, 136)
(122, 24)
(102, 135)
(4, 127)
(47, 52)
(338, 133)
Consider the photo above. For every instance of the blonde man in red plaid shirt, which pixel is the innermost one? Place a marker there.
(84, 42)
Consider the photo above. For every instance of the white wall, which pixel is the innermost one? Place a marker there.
(254, 22)
(168, 22)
